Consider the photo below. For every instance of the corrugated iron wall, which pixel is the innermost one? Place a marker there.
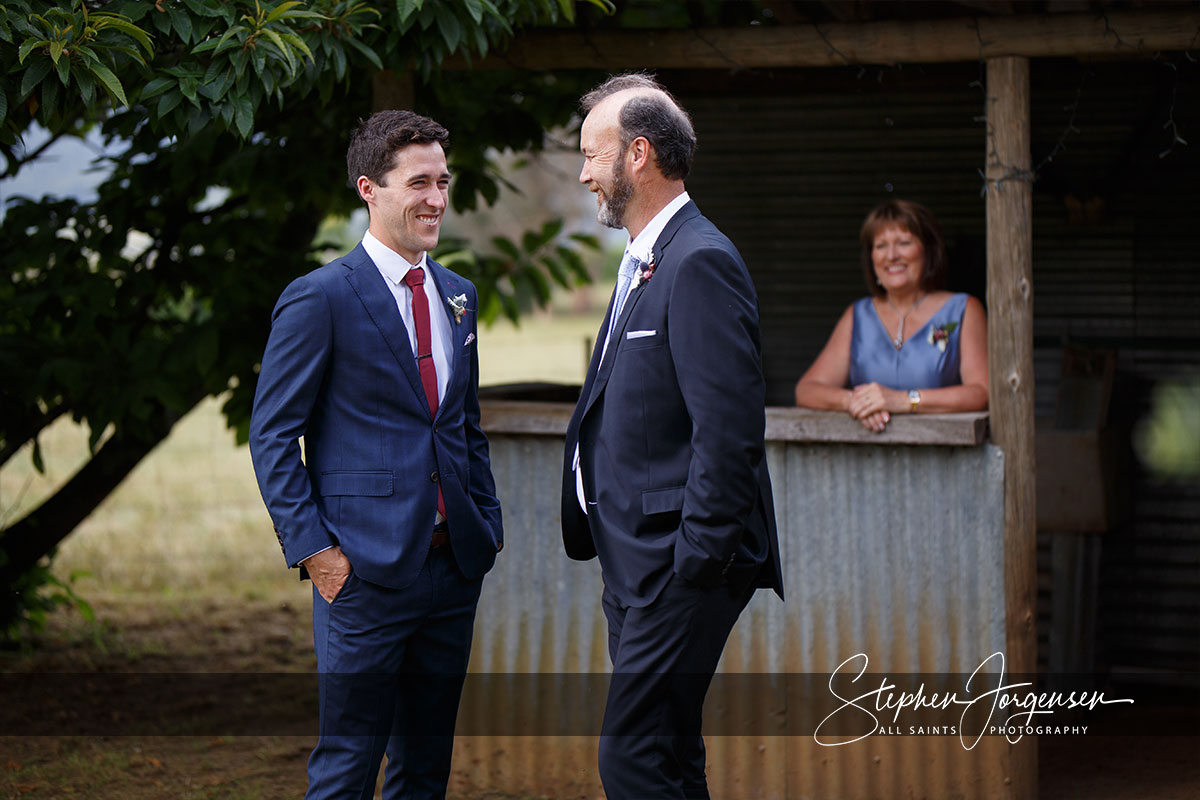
(790, 161)
(895, 552)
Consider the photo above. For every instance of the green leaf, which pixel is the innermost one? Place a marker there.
(3, 105)
(282, 9)
(556, 271)
(367, 52)
(297, 44)
(339, 61)
(283, 49)
(587, 240)
(504, 245)
(181, 22)
(56, 48)
(406, 8)
(243, 116)
(449, 26)
(127, 28)
(475, 9)
(64, 70)
(87, 86)
(157, 86)
(574, 263)
(28, 46)
(110, 82)
(167, 103)
(34, 75)
(203, 9)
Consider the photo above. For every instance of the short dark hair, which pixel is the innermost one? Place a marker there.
(658, 117)
(917, 220)
(374, 144)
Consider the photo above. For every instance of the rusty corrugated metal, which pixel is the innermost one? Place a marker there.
(892, 551)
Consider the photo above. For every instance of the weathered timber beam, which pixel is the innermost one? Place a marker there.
(1117, 34)
(1010, 375)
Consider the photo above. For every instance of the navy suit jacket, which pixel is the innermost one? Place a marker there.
(670, 429)
(339, 370)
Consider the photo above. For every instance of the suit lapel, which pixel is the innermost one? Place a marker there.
(672, 227)
(380, 304)
(448, 285)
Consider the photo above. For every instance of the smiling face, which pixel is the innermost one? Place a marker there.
(408, 202)
(604, 170)
(899, 259)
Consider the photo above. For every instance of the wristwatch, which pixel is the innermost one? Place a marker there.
(914, 400)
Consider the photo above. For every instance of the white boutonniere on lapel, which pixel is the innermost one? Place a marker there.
(940, 335)
(458, 306)
(645, 273)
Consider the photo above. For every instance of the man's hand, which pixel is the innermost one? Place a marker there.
(328, 570)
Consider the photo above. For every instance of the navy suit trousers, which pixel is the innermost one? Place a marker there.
(391, 664)
(664, 656)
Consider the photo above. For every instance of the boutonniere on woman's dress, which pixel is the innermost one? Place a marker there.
(939, 335)
(644, 274)
(458, 305)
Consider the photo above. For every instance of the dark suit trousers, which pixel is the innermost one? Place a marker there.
(392, 664)
(664, 656)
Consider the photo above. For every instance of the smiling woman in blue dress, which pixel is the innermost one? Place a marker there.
(910, 347)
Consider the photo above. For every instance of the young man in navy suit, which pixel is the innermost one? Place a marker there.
(393, 512)
(665, 477)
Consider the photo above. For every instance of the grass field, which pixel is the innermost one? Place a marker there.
(189, 518)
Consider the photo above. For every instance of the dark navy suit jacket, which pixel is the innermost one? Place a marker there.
(670, 429)
(339, 370)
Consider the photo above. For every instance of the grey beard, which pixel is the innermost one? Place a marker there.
(612, 211)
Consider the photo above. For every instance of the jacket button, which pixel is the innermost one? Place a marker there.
(433, 477)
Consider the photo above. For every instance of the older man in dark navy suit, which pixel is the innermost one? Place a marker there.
(393, 512)
(665, 477)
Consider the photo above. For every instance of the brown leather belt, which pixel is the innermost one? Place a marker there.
(441, 535)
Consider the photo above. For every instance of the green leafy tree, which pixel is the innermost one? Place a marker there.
(227, 121)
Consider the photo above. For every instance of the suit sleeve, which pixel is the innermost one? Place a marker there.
(483, 485)
(289, 382)
(714, 339)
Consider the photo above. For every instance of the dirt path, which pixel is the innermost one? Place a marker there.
(208, 697)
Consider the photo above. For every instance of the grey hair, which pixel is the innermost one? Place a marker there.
(657, 116)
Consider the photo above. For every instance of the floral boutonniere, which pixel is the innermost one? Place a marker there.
(940, 334)
(458, 305)
(645, 273)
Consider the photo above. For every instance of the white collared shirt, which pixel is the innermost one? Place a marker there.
(643, 244)
(641, 247)
(394, 267)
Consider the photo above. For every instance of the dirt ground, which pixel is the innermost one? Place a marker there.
(185, 656)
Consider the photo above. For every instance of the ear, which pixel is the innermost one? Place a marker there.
(641, 154)
(366, 189)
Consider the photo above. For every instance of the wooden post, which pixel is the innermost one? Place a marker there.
(1010, 372)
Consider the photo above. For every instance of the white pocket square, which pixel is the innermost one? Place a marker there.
(470, 338)
(639, 334)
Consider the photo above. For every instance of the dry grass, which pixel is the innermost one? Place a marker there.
(189, 518)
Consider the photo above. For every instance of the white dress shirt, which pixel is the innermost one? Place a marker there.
(641, 248)
(394, 267)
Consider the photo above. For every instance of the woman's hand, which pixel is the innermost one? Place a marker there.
(873, 404)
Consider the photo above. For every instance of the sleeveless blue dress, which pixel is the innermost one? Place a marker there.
(918, 364)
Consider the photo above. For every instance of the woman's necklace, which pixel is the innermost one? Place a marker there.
(898, 339)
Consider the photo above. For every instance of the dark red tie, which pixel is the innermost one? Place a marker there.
(420, 310)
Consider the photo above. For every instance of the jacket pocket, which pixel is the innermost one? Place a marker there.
(361, 483)
(660, 501)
